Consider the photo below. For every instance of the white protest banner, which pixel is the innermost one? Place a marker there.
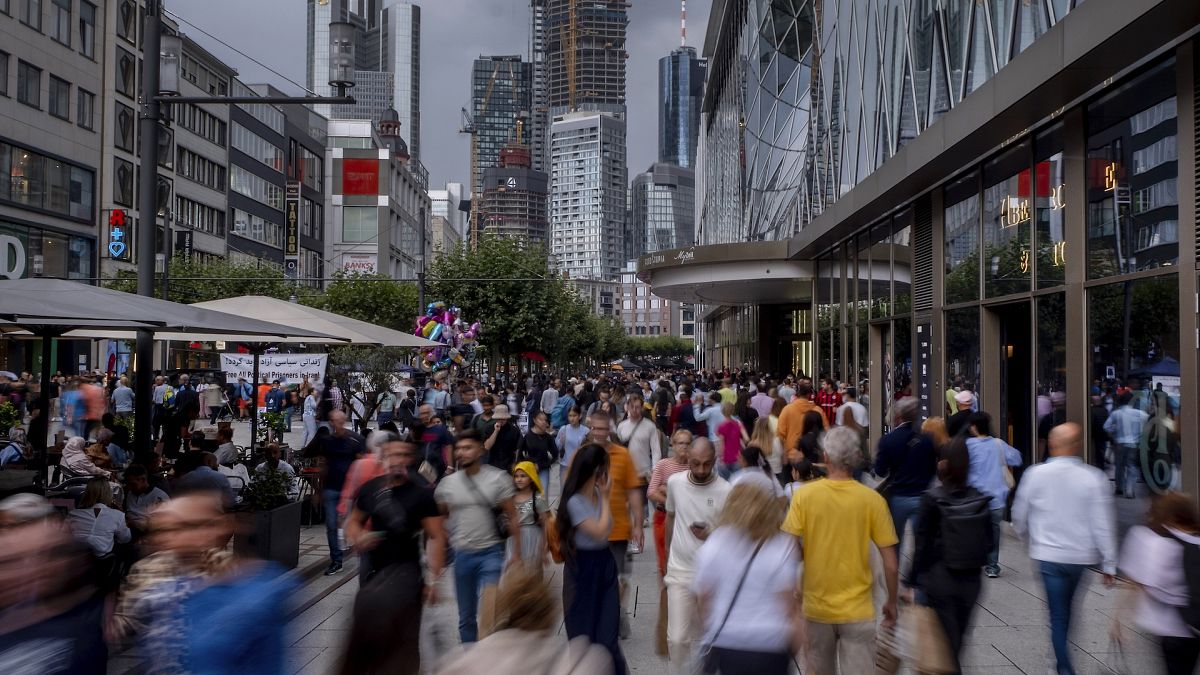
(287, 368)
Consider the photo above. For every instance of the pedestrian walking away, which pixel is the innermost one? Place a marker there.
(1064, 509)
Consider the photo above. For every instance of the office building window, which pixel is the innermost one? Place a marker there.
(199, 169)
(29, 84)
(127, 15)
(312, 219)
(3, 74)
(202, 123)
(360, 223)
(60, 98)
(200, 216)
(85, 108)
(259, 189)
(87, 29)
(256, 146)
(311, 168)
(126, 74)
(31, 13)
(60, 21)
(259, 229)
(122, 182)
(125, 124)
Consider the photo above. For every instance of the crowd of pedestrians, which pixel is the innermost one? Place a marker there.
(783, 538)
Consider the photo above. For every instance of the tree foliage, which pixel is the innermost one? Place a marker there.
(191, 281)
(373, 298)
(375, 369)
(657, 346)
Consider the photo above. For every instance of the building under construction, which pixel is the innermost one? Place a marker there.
(500, 102)
(585, 55)
(515, 197)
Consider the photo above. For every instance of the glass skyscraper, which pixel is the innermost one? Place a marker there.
(500, 96)
(680, 95)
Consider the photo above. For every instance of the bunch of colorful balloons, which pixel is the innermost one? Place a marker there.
(442, 323)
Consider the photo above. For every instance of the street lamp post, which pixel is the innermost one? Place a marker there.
(341, 78)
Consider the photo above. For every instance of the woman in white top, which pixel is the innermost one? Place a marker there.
(311, 403)
(745, 585)
(96, 523)
(1152, 558)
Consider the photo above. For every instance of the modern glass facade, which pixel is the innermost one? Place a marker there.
(588, 190)
(680, 95)
(989, 205)
(663, 213)
(501, 91)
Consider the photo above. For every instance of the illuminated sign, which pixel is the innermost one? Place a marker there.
(1110, 177)
(118, 233)
(291, 224)
(1013, 211)
(1025, 261)
(1060, 253)
(1056, 198)
(360, 176)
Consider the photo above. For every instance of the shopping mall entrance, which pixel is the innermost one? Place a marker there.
(1013, 416)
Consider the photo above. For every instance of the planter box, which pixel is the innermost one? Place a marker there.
(271, 535)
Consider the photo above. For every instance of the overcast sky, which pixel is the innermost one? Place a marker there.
(454, 33)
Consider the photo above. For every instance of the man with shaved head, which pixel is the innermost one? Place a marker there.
(1064, 509)
(694, 502)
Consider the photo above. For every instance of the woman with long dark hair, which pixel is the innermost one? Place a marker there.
(591, 595)
(953, 537)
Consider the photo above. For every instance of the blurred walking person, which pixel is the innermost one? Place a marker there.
(1065, 511)
(1124, 427)
(907, 462)
(471, 496)
(524, 641)
(591, 579)
(390, 513)
(836, 521)
(694, 502)
(991, 459)
(745, 584)
(1152, 558)
(953, 533)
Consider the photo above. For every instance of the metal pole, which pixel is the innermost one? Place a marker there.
(42, 445)
(255, 350)
(147, 220)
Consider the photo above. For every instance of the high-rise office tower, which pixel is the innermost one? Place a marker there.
(585, 55)
(500, 103)
(513, 201)
(680, 94)
(663, 209)
(539, 113)
(588, 192)
(387, 54)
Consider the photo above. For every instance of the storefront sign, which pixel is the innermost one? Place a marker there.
(359, 263)
(12, 257)
(184, 244)
(287, 368)
(118, 235)
(291, 241)
(921, 367)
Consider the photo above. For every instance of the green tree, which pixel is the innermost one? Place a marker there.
(191, 281)
(374, 298)
(509, 285)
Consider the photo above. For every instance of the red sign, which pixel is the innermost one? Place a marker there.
(360, 176)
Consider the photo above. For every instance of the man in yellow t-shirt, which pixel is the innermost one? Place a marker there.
(837, 520)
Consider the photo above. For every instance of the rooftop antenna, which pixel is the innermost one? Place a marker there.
(682, 23)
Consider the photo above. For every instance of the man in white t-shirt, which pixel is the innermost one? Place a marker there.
(853, 407)
(640, 435)
(694, 501)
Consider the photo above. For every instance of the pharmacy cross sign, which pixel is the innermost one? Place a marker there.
(116, 234)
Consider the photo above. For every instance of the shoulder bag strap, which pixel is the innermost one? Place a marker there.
(736, 592)
(478, 493)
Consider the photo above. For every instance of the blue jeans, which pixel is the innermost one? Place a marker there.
(993, 559)
(329, 502)
(473, 570)
(904, 510)
(1061, 582)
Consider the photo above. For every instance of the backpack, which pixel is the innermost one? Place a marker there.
(558, 418)
(966, 528)
(169, 397)
(1190, 613)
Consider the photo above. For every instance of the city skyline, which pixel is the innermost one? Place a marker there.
(496, 27)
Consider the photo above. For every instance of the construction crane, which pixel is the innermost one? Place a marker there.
(568, 36)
